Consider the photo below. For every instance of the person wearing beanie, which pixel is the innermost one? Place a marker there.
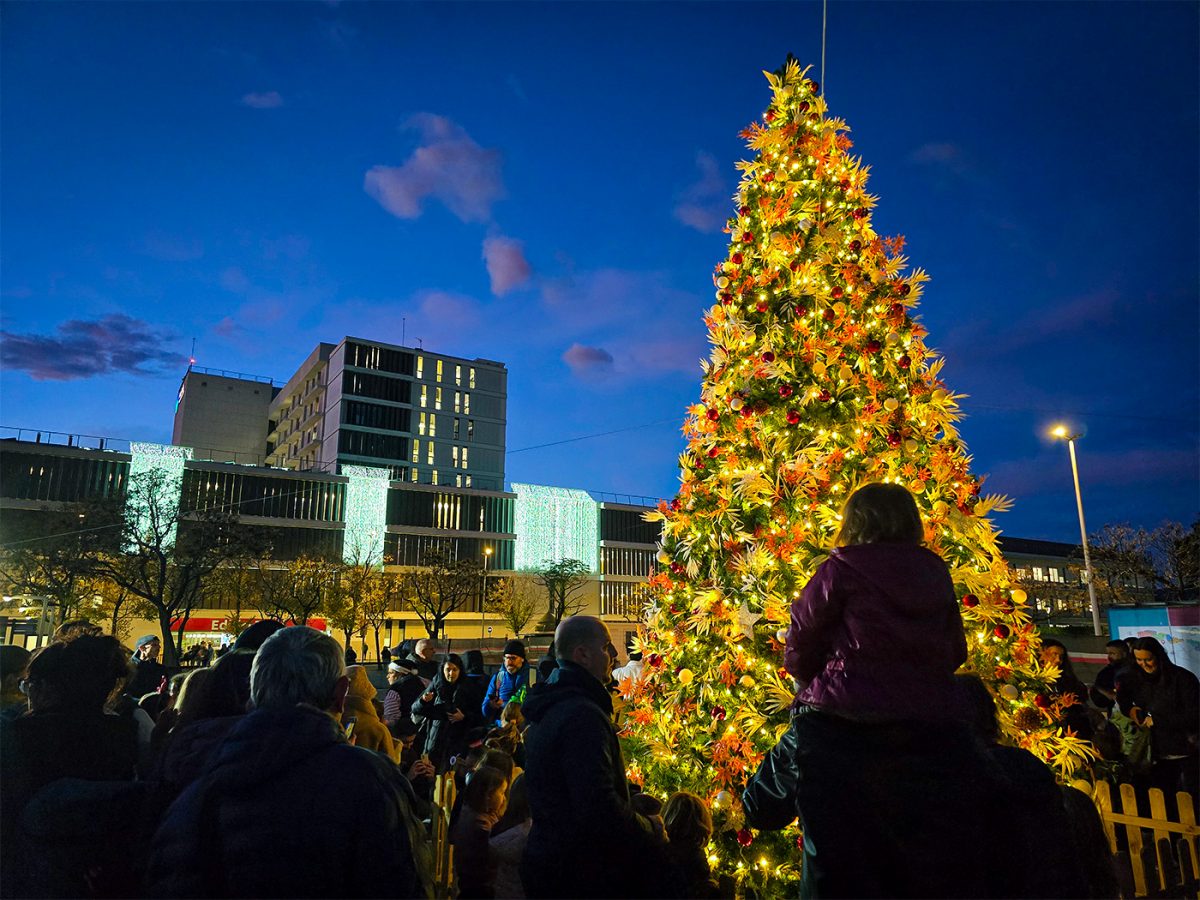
(404, 687)
(252, 638)
(510, 683)
(369, 732)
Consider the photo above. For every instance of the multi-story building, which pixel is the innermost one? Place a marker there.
(223, 414)
(429, 418)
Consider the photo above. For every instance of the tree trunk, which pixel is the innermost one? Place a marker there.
(378, 654)
(170, 650)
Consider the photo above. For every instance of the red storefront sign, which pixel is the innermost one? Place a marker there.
(212, 623)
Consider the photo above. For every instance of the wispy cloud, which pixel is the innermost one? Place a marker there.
(263, 100)
(704, 204)
(446, 165)
(588, 362)
(506, 264)
(85, 349)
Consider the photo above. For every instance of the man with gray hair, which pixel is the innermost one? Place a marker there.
(586, 837)
(288, 807)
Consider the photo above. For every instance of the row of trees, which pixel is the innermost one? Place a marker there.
(93, 561)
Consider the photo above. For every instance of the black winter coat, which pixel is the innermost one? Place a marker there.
(288, 808)
(443, 738)
(586, 839)
(1173, 698)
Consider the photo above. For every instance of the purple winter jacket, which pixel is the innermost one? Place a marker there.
(876, 635)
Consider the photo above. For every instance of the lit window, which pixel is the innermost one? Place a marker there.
(439, 370)
(458, 374)
(432, 425)
(416, 456)
(457, 401)
(464, 457)
(457, 422)
(433, 479)
(467, 404)
(413, 472)
(468, 481)
(420, 367)
(458, 481)
(421, 425)
(437, 398)
(470, 429)
(424, 396)
(454, 456)
(472, 377)
(429, 454)
(1039, 574)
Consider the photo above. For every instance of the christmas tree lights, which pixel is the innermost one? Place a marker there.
(819, 381)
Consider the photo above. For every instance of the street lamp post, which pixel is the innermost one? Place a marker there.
(487, 558)
(1060, 432)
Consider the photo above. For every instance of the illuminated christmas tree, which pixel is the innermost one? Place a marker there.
(819, 381)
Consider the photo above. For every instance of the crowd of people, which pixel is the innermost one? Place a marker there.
(280, 769)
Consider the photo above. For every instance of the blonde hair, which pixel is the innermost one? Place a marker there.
(687, 819)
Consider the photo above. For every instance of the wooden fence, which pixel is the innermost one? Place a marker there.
(1165, 865)
(444, 791)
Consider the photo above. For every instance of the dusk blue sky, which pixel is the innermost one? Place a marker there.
(544, 184)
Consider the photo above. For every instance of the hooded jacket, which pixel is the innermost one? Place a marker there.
(876, 635)
(441, 735)
(369, 731)
(288, 808)
(504, 687)
(586, 837)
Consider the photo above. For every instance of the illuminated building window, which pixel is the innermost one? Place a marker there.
(437, 398)
(470, 429)
(420, 367)
(413, 473)
(424, 396)
(471, 382)
(366, 514)
(458, 481)
(468, 481)
(432, 425)
(421, 425)
(457, 374)
(433, 477)
(439, 370)
(416, 454)
(464, 457)
(429, 454)
(467, 404)
(555, 523)
(457, 401)
(454, 456)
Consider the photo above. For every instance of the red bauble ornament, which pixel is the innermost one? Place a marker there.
(785, 391)
(1041, 701)
(801, 310)
(747, 237)
(905, 290)
(768, 357)
(713, 452)
(824, 396)
(713, 413)
(770, 116)
(718, 713)
(873, 346)
(803, 106)
(727, 299)
(970, 601)
(837, 292)
(828, 315)
(675, 504)
(897, 309)
(904, 362)
(844, 184)
(745, 838)
(743, 210)
(860, 213)
(793, 417)
(800, 842)
(794, 265)
(736, 259)
(677, 569)
(762, 306)
(746, 411)
(1002, 631)
(815, 87)
(855, 246)
(893, 439)
(655, 660)
(768, 177)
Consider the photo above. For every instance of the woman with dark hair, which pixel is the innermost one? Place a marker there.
(1075, 716)
(441, 712)
(1164, 699)
(878, 765)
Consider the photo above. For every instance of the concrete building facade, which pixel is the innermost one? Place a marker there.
(223, 414)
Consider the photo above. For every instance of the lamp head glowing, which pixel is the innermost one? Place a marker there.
(1059, 431)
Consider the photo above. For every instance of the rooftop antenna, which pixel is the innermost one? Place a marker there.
(420, 343)
(403, 328)
(192, 358)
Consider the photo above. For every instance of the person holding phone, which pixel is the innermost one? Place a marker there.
(440, 712)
